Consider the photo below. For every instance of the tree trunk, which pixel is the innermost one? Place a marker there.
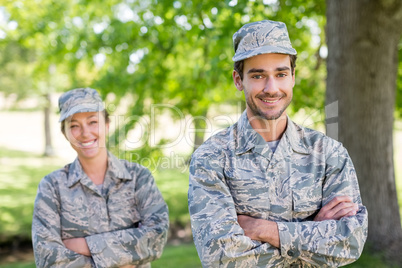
(199, 129)
(48, 135)
(362, 38)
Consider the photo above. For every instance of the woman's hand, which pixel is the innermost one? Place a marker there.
(78, 245)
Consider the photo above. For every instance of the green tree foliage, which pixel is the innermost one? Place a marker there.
(158, 52)
(27, 49)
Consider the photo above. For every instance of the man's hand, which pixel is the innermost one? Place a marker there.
(259, 229)
(267, 231)
(340, 206)
(78, 245)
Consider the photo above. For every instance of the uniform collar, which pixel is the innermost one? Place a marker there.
(115, 170)
(248, 138)
(296, 137)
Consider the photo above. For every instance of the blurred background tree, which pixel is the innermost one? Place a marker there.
(363, 39)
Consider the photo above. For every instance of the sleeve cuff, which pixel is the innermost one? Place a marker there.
(289, 239)
(95, 245)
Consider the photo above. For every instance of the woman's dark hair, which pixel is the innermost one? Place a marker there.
(104, 112)
(238, 65)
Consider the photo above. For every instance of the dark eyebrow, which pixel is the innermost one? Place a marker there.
(253, 70)
(279, 69)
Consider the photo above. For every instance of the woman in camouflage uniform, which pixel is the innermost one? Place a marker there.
(98, 211)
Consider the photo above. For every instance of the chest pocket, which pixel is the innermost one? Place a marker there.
(307, 202)
(75, 217)
(249, 189)
(307, 176)
(123, 209)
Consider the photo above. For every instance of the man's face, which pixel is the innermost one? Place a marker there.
(268, 85)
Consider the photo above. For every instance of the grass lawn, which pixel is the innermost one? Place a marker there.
(184, 256)
(30, 264)
(21, 172)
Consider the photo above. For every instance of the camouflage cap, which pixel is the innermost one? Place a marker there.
(79, 100)
(261, 37)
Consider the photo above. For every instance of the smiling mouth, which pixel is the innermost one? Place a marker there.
(271, 101)
(86, 144)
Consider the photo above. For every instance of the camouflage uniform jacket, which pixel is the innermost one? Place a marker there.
(126, 223)
(235, 172)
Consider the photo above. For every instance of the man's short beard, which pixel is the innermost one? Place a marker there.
(258, 113)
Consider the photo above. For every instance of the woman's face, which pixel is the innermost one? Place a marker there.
(86, 133)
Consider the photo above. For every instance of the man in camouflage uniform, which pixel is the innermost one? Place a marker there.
(267, 192)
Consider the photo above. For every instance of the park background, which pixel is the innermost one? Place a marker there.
(164, 70)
